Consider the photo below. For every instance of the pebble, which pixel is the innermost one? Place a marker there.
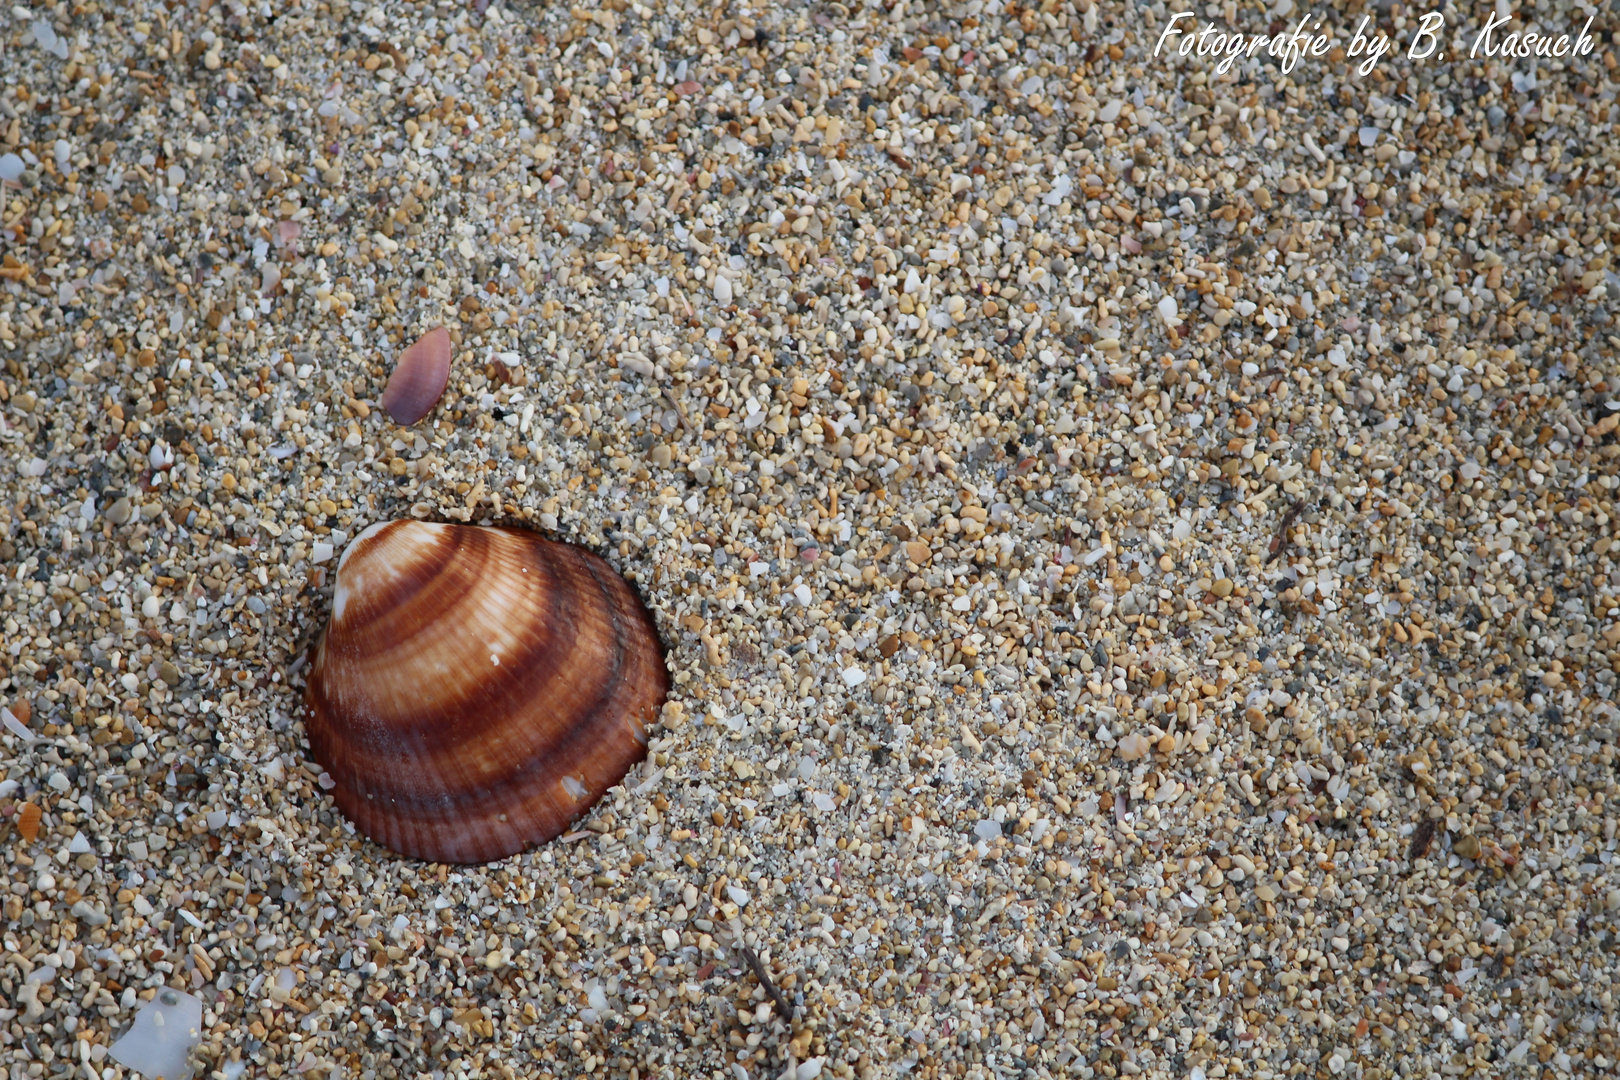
(1134, 747)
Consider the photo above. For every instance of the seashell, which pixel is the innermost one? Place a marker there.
(477, 689)
(1133, 747)
(419, 378)
(286, 234)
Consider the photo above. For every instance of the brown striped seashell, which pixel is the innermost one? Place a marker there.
(419, 378)
(478, 689)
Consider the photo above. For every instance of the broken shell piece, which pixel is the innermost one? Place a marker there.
(1133, 747)
(286, 234)
(159, 1043)
(419, 377)
(478, 689)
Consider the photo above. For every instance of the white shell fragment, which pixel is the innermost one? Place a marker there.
(1169, 312)
(160, 1041)
(15, 726)
(1134, 747)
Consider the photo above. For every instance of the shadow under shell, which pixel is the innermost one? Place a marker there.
(478, 689)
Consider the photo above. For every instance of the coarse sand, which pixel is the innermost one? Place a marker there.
(1133, 543)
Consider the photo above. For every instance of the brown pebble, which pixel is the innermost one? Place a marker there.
(1422, 837)
(28, 821)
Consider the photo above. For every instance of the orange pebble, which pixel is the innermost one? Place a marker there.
(28, 821)
(22, 710)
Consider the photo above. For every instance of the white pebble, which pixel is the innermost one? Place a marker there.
(1133, 747)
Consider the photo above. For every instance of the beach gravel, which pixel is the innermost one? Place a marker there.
(1134, 545)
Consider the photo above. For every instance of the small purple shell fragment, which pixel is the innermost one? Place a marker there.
(419, 377)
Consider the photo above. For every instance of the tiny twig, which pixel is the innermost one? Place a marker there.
(1280, 541)
(764, 978)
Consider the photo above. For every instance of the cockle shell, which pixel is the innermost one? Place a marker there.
(477, 689)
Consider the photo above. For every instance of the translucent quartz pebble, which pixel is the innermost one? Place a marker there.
(160, 1040)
